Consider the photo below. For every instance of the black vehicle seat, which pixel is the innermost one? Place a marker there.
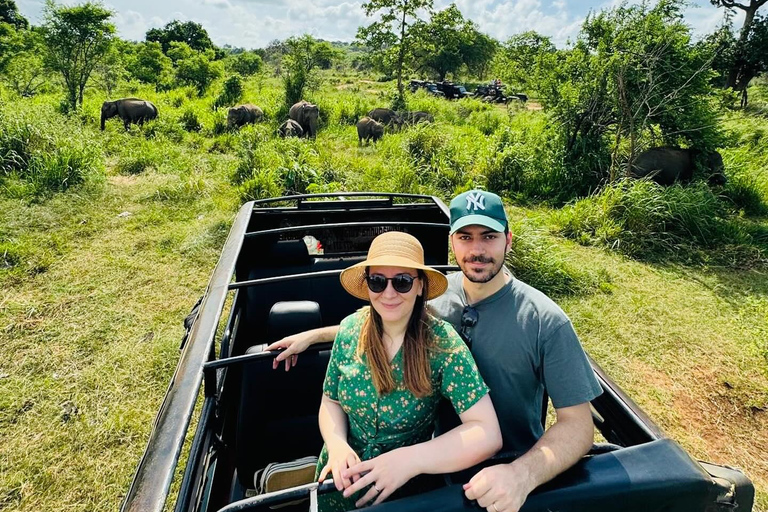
(277, 416)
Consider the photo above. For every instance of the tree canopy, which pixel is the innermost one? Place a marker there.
(449, 41)
(10, 14)
(390, 39)
(76, 39)
(189, 32)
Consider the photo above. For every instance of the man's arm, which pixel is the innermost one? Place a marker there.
(505, 487)
(293, 345)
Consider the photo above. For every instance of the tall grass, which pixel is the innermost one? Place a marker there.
(644, 220)
(42, 152)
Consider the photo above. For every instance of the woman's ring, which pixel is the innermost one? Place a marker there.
(374, 486)
(494, 507)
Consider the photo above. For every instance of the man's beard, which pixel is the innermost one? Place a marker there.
(488, 273)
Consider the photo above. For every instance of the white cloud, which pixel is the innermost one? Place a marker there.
(221, 4)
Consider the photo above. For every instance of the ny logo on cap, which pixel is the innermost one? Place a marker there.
(475, 201)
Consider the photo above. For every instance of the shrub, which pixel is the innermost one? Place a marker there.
(527, 161)
(260, 185)
(231, 93)
(642, 219)
(190, 122)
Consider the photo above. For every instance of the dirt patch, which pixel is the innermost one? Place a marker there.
(532, 105)
(123, 180)
(716, 420)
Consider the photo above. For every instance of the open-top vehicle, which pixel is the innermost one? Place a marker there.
(278, 275)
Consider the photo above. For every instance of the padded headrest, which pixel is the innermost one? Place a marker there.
(284, 253)
(292, 317)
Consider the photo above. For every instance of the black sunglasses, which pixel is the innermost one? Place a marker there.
(402, 283)
(469, 318)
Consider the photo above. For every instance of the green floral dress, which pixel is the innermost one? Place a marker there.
(378, 424)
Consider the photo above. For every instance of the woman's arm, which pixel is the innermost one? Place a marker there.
(297, 343)
(333, 428)
(476, 439)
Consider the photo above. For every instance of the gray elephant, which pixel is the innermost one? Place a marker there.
(411, 118)
(387, 117)
(306, 114)
(666, 165)
(290, 128)
(130, 110)
(241, 115)
(368, 129)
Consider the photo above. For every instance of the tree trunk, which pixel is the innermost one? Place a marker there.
(749, 16)
(401, 56)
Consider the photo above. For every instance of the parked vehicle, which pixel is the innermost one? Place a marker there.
(494, 92)
(268, 284)
(451, 90)
(430, 87)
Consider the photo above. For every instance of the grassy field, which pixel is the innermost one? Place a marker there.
(96, 279)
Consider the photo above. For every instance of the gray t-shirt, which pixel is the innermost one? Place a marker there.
(523, 343)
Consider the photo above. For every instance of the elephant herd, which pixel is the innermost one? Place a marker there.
(664, 165)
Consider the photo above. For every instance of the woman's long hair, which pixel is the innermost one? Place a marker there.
(418, 341)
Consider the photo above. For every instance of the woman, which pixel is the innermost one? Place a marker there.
(391, 362)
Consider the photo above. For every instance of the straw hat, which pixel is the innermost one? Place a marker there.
(392, 249)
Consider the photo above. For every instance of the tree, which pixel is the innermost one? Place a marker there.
(325, 55)
(199, 71)
(77, 38)
(633, 79)
(480, 53)
(738, 61)
(746, 33)
(521, 59)
(246, 63)
(390, 38)
(150, 65)
(299, 63)
(447, 42)
(24, 68)
(187, 32)
(110, 70)
(178, 51)
(10, 14)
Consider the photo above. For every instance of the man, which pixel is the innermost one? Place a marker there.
(524, 346)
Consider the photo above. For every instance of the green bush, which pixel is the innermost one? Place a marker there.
(261, 184)
(42, 151)
(644, 220)
(526, 161)
(231, 93)
(190, 122)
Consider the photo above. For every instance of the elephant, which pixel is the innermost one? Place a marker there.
(130, 110)
(244, 114)
(666, 165)
(369, 129)
(306, 115)
(411, 118)
(290, 128)
(387, 117)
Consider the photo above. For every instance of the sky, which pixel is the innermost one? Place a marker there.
(254, 23)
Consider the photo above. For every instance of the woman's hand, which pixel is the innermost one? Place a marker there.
(291, 347)
(340, 458)
(385, 474)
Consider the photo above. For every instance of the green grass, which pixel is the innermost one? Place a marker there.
(95, 280)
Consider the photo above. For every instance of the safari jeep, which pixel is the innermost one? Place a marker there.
(278, 275)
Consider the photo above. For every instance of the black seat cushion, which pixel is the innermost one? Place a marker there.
(277, 415)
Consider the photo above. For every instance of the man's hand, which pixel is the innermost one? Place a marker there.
(291, 347)
(384, 474)
(501, 488)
